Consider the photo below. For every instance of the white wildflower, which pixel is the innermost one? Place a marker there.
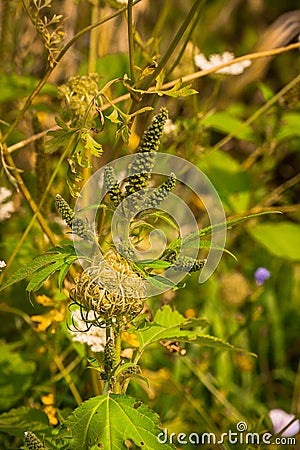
(169, 127)
(280, 419)
(123, 2)
(2, 265)
(95, 337)
(6, 208)
(215, 60)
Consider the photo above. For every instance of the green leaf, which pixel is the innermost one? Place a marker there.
(114, 117)
(16, 376)
(289, 126)
(192, 240)
(108, 420)
(42, 274)
(30, 268)
(153, 264)
(280, 239)
(58, 139)
(91, 145)
(160, 282)
(18, 420)
(64, 270)
(59, 255)
(178, 91)
(168, 324)
(230, 179)
(227, 124)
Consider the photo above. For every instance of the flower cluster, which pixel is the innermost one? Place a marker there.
(79, 93)
(158, 195)
(79, 226)
(6, 208)
(139, 171)
(32, 442)
(112, 185)
(261, 275)
(83, 331)
(215, 60)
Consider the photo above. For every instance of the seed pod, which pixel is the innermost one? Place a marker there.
(112, 186)
(160, 194)
(32, 442)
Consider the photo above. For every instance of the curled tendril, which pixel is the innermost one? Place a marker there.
(110, 289)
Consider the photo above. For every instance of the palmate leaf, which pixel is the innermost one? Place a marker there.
(108, 420)
(168, 324)
(43, 266)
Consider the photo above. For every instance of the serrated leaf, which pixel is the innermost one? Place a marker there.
(169, 324)
(108, 420)
(62, 124)
(17, 420)
(178, 91)
(42, 274)
(30, 268)
(160, 282)
(64, 270)
(58, 139)
(91, 145)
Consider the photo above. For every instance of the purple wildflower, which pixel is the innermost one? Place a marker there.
(280, 419)
(261, 275)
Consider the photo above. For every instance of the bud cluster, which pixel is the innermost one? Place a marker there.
(32, 442)
(79, 226)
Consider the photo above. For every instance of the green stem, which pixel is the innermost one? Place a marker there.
(130, 40)
(173, 44)
(189, 34)
(94, 37)
(117, 336)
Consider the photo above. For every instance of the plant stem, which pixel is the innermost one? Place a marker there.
(94, 37)
(173, 44)
(117, 337)
(130, 41)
